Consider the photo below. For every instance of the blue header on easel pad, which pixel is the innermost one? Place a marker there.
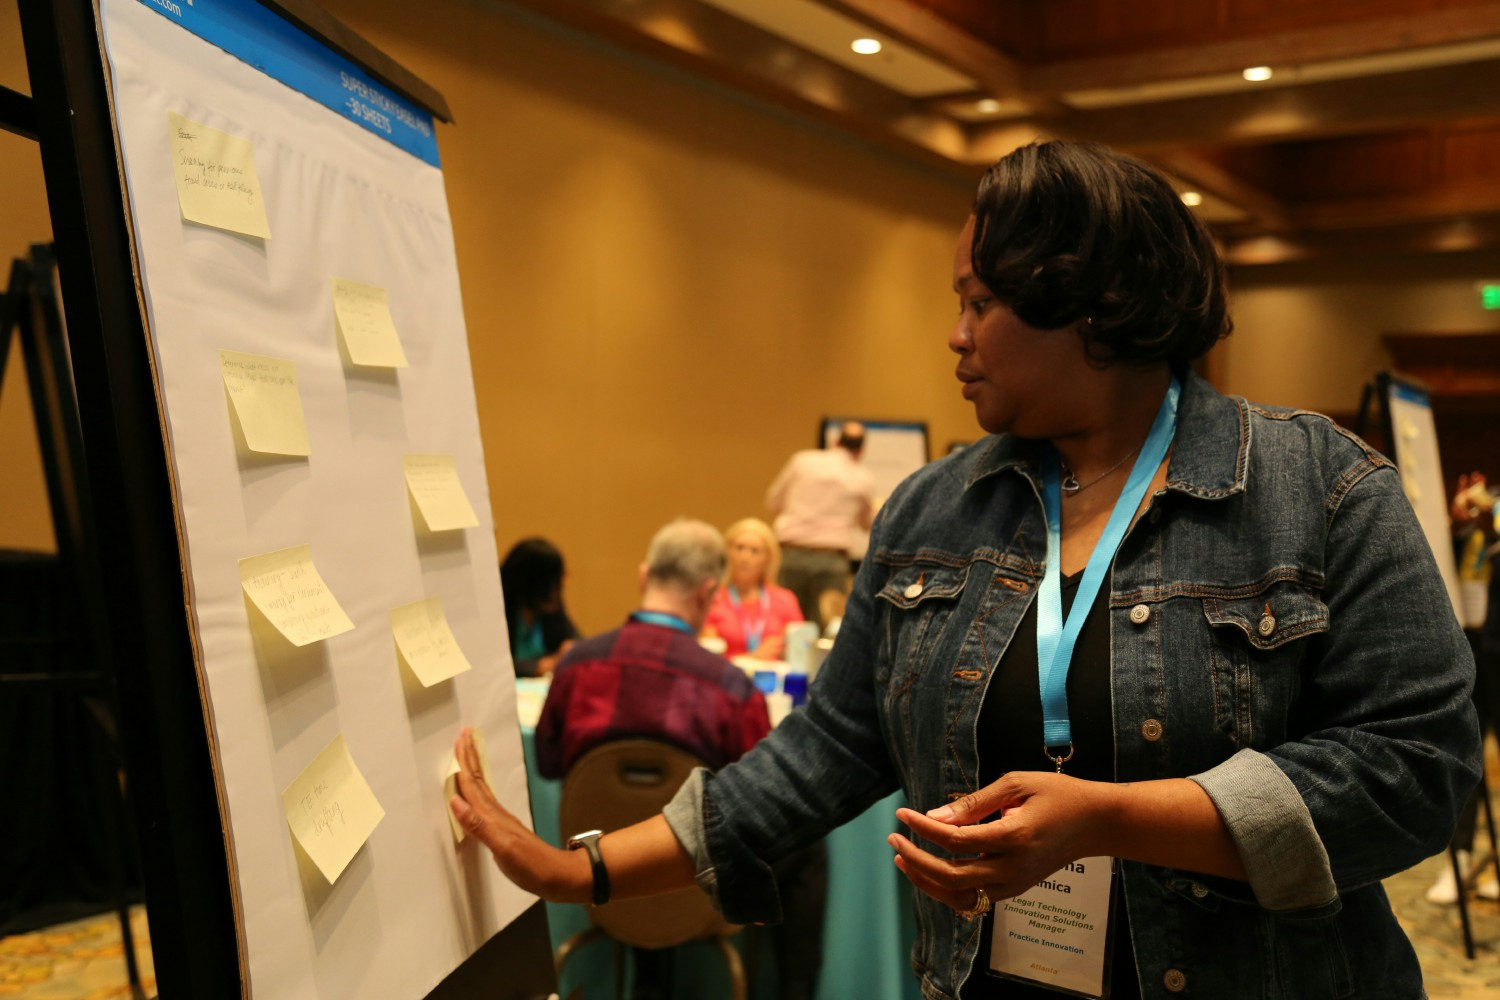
(1410, 393)
(261, 38)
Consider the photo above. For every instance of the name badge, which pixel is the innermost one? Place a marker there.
(1056, 934)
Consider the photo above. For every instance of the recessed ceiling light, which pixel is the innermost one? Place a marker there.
(1256, 74)
(988, 106)
(1192, 199)
(866, 46)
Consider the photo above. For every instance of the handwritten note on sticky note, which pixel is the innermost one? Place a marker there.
(364, 320)
(426, 642)
(266, 403)
(216, 180)
(440, 496)
(450, 781)
(331, 809)
(287, 589)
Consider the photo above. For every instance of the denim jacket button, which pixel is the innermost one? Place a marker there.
(913, 590)
(1267, 625)
(1151, 730)
(1139, 614)
(1174, 981)
(1198, 889)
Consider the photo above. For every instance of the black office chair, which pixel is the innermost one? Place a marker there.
(612, 786)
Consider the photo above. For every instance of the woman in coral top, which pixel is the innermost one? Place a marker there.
(749, 612)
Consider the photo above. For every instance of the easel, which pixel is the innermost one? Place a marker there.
(30, 311)
(117, 463)
(1375, 406)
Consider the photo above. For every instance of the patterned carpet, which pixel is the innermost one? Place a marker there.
(83, 960)
(80, 960)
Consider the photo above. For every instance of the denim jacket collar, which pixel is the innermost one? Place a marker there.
(1210, 452)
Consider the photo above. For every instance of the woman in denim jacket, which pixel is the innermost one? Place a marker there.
(1268, 698)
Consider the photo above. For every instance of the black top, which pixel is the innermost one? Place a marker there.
(1010, 739)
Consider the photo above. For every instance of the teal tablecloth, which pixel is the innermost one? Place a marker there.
(869, 927)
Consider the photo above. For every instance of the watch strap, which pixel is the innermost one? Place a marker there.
(590, 843)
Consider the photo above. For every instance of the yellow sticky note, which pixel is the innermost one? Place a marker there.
(364, 320)
(331, 809)
(264, 393)
(426, 641)
(216, 180)
(440, 496)
(287, 589)
(450, 781)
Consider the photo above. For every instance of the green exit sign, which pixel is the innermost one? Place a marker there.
(1489, 296)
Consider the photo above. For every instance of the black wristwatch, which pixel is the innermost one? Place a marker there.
(589, 841)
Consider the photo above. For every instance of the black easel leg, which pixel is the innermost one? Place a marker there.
(1463, 903)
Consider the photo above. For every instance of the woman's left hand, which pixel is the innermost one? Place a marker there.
(1048, 820)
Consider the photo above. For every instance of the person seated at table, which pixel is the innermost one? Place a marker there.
(651, 679)
(531, 580)
(749, 612)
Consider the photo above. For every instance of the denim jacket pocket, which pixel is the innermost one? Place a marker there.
(918, 602)
(1256, 656)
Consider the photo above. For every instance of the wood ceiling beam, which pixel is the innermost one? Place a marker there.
(1453, 201)
(1481, 234)
(714, 45)
(996, 71)
(1336, 107)
(1352, 39)
(1268, 212)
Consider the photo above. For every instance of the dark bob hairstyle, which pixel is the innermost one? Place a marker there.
(531, 575)
(1072, 233)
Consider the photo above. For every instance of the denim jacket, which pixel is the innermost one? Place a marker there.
(1279, 634)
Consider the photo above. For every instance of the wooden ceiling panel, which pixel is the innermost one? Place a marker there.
(1381, 126)
(1355, 167)
(1073, 29)
(1230, 47)
(1008, 25)
(1471, 152)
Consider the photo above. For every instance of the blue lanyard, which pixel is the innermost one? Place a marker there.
(663, 619)
(1055, 635)
(752, 636)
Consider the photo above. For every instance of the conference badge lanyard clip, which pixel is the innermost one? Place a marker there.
(1057, 933)
(755, 631)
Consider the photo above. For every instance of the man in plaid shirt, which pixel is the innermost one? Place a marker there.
(650, 678)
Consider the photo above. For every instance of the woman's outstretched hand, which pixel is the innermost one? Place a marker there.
(526, 859)
(1049, 820)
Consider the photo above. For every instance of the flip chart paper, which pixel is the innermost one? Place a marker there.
(426, 642)
(331, 809)
(435, 486)
(450, 781)
(216, 180)
(266, 402)
(364, 320)
(287, 589)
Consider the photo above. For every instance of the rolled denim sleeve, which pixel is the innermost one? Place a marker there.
(1270, 825)
(1389, 745)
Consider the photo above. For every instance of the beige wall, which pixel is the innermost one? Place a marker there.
(1308, 334)
(25, 521)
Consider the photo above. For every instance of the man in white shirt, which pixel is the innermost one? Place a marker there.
(824, 501)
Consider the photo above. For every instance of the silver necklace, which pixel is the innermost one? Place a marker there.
(1070, 483)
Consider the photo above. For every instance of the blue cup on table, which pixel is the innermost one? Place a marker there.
(767, 681)
(795, 685)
